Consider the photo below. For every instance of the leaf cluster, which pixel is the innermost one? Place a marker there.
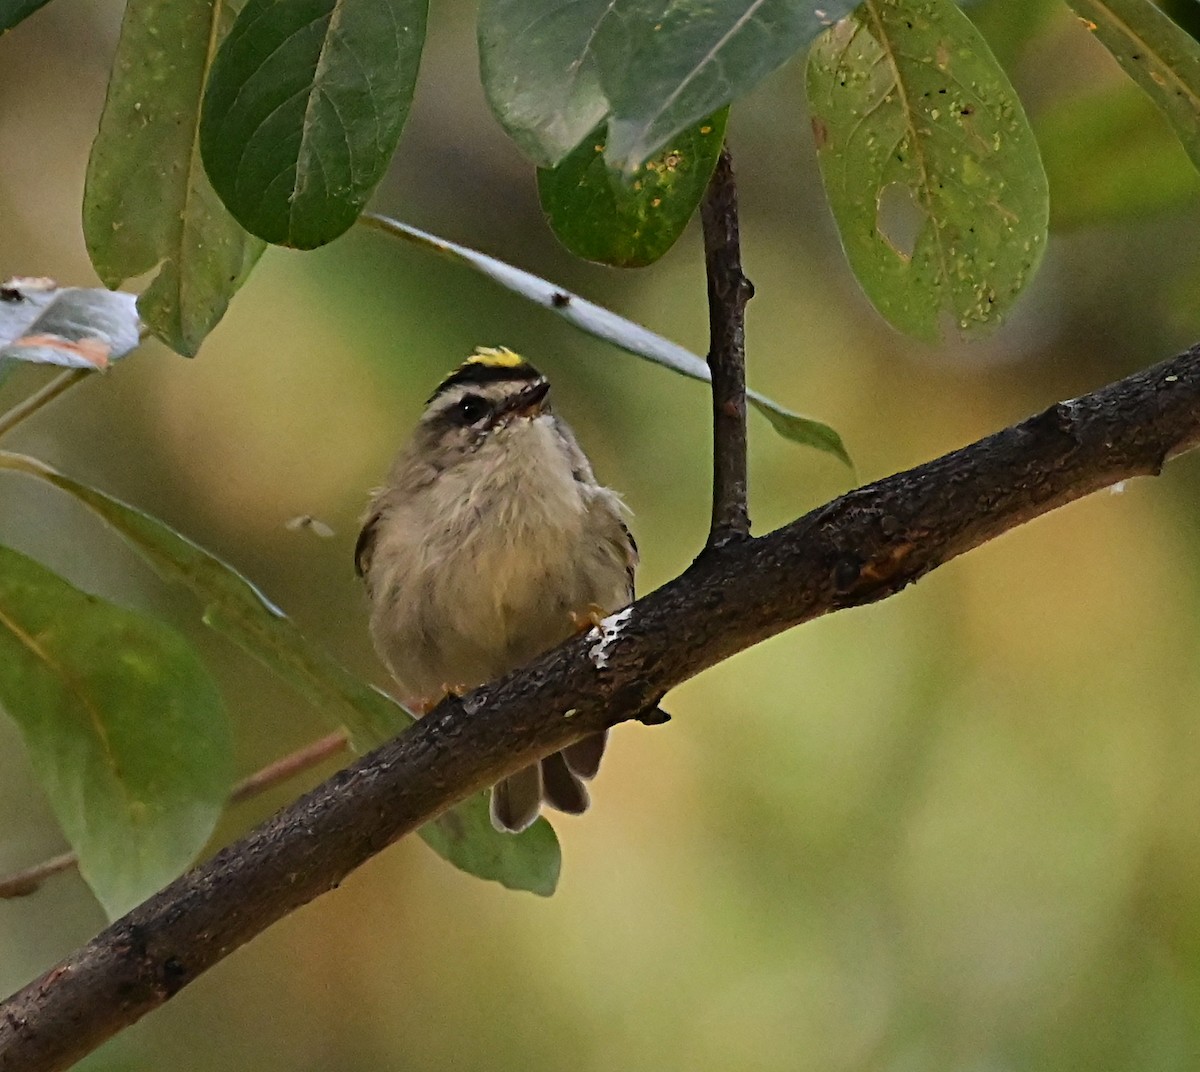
(231, 125)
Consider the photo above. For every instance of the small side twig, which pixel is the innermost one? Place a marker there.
(23, 883)
(728, 292)
(293, 763)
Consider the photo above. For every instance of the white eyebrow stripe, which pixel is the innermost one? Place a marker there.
(494, 392)
(446, 400)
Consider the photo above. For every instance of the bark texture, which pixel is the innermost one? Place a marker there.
(728, 292)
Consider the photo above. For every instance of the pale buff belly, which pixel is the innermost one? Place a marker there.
(466, 613)
(508, 548)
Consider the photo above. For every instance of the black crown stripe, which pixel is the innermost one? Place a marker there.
(479, 372)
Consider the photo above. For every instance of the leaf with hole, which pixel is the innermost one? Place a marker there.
(124, 726)
(1159, 55)
(929, 163)
(147, 203)
(235, 608)
(303, 110)
(600, 216)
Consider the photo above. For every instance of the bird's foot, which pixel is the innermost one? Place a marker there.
(422, 705)
(588, 619)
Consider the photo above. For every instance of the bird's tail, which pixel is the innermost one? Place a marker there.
(558, 780)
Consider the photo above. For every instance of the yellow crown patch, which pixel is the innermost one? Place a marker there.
(489, 365)
(496, 357)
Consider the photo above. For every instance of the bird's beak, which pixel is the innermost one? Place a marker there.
(529, 402)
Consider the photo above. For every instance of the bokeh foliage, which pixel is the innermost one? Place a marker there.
(950, 832)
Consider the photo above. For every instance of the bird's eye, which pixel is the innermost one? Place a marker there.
(472, 408)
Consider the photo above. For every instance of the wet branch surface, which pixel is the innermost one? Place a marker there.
(860, 548)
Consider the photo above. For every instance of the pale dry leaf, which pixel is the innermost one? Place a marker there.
(75, 327)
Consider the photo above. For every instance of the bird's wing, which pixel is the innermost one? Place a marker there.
(631, 557)
(365, 547)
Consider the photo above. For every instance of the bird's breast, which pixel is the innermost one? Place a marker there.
(487, 563)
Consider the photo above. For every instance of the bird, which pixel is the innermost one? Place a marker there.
(491, 542)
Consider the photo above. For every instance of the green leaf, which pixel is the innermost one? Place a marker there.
(624, 334)
(600, 216)
(147, 204)
(303, 110)
(1184, 13)
(1110, 156)
(124, 726)
(929, 163)
(235, 608)
(1162, 58)
(530, 860)
(554, 71)
(537, 61)
(665, 64)
(803, 430)
(14, 11)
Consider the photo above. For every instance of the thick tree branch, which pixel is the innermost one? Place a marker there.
(728, 292)
(859, 548)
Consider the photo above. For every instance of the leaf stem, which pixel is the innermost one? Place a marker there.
(728, 292)
(22, 883)
(48, 393)
(293, 763)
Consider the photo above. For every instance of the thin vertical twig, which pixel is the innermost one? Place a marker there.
(728, 292)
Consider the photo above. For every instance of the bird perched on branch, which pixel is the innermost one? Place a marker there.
(490, 543)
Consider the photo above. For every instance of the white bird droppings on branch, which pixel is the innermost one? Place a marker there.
(607, 632)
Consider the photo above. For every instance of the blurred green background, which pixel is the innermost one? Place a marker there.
(958, 830)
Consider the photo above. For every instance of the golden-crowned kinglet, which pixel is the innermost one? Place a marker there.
(491, 543)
